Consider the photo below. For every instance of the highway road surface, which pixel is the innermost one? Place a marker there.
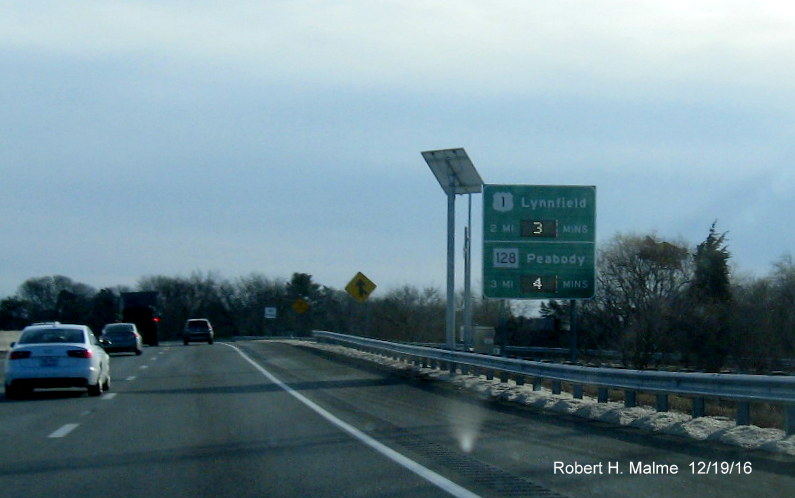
(268, 418)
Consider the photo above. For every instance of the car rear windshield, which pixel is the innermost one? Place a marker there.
(45, 336)
(118, 329)
(199, 324)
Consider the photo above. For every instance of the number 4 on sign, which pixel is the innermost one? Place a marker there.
(534, 284)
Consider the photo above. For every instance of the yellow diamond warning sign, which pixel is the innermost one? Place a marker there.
(360, 287)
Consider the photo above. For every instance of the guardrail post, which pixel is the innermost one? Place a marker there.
(743, 413)
(662, 402)
(699, 407)
(453, 367)
(601, 395)
(789, 419)
(555, 387)
(577, 391)
(489, 374)
(537, 383)
(503, 376)
(519, 380)
(630, 399)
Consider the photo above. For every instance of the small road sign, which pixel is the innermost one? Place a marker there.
(360, 287)
(539, 241)
(300, 306)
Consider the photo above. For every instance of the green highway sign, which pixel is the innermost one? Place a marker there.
(539, 241)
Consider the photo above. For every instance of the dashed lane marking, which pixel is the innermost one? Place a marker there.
(63, 431)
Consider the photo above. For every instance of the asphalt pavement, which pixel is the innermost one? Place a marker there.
(266, 418)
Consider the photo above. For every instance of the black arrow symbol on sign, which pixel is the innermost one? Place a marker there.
(360, 284)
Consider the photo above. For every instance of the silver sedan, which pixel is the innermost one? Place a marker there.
(56, 356)
(121, 337)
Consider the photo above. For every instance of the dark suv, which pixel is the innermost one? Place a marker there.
(197, 329)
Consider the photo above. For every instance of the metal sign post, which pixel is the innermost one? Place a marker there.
(456, 175)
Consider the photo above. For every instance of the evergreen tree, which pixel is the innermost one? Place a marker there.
(709, 304)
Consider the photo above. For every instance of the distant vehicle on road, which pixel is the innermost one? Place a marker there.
(198, 329)
(121, 337)
(56, 356)
(141, 308)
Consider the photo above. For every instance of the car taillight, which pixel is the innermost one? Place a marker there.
(19, 355)
(79, 353)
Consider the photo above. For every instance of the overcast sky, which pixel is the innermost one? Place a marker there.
(166, 137)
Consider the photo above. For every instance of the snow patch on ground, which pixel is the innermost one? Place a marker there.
(719, 429)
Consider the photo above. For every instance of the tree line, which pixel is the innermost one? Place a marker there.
(237, 307)
(657, 301)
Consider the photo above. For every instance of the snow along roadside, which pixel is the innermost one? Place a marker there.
(720, 429)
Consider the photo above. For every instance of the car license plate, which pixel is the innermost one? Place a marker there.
(49, 361)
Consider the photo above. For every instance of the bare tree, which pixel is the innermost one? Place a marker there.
(639, 279)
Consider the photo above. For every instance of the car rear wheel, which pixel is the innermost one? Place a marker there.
(95, 389)
(13, 392)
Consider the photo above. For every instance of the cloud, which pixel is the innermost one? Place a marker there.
(287, 134)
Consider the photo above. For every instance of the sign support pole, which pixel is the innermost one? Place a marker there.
(573, 329)
(450, 318)
(456, 175)
(468, 280)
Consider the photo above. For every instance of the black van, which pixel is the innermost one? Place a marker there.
(197, 329)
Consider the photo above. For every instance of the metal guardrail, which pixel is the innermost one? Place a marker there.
(606, 354)
(741, 388)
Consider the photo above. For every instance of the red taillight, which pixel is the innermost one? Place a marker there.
(79, 353)
(19, 355)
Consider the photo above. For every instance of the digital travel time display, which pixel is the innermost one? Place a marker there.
(531, 284)
(547, 229)
(542, 229)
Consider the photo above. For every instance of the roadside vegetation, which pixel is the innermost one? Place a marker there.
(658, 303)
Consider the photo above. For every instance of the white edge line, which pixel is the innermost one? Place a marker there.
(424, 472)
(63, 431)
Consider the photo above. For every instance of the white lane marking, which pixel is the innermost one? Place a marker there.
(63, 431)
(144, 367)
(109, 396)
(131, 377)
(439, 481)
